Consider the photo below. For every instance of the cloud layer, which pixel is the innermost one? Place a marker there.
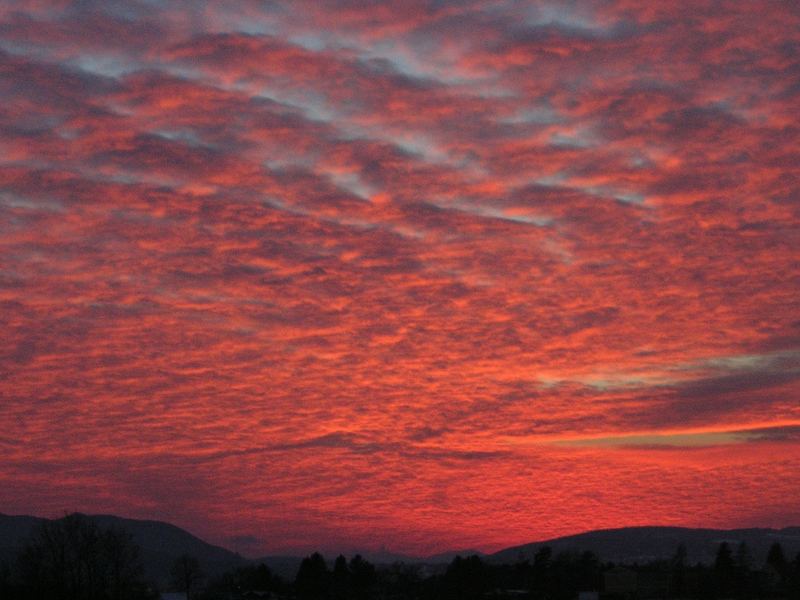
(437, 274)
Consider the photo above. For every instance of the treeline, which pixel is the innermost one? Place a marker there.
(74, 559)
(353, 580)
(735, 574)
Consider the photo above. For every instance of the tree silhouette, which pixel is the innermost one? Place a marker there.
(340, 579)
(724, 570)
(547, 577)
(777, 561)
(776, 558)
(313, 579)
(7, 587)
(362, 577)
(186, 574)
(794, 579)
(744, 560)
(72, 558)
(543, 570)
(677, 583)
(743, 565)
(588, 572)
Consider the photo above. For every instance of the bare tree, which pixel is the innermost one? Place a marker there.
(74, 558)
(186, 574)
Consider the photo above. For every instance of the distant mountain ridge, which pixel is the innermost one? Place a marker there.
(162, 542)
(647, 543)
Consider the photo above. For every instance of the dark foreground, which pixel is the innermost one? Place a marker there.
(75, 559)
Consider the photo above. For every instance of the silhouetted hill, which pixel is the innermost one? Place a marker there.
(160, 543)
(642, 544)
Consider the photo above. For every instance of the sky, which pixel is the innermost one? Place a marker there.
(421, 275)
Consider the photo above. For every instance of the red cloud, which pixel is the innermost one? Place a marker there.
(265, 268)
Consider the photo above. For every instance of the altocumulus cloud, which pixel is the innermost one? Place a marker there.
(452, 274)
